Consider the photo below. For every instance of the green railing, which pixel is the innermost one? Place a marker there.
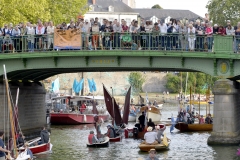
(125, 41)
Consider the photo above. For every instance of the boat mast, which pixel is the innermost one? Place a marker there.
(10, 113)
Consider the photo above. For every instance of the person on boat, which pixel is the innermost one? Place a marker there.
(208, 119)
(92, 138)
(142, 121)
(2, 150)
(188, 108)
(201, 120)
(111, 132)
(44, 136)
(83, 108)
(26, 149)
(160, 133)
(152, 155)
(151, 124)
(150, 137)
(20, 140)
(193, 109)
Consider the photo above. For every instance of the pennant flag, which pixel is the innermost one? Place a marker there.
(90, 85)
(79, 86)
(94, 85)
(75, 83)
(56, 85)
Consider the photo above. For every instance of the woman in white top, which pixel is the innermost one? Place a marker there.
(30, 39)
(191, 37)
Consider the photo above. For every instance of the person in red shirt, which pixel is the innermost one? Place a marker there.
(92, 138)
(221, 31)
(83, 108)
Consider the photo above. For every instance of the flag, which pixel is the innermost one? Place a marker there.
(90, 84)
(79, 86)
(56, 85)
(94, 85)
(75, 83)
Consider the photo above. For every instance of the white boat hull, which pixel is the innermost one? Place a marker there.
(155, 117)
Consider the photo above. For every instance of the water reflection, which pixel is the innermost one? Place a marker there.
(69, 142)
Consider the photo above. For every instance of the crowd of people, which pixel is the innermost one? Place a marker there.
(188, 116)
(174, 35)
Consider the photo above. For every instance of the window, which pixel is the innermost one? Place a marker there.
(91, 8)
(111, 9)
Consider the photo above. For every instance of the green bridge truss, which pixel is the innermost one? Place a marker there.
(36, 66)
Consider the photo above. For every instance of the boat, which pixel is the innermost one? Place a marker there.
(151, 112)
(162, 146)
(67, 117)
(128, 132)
(183, 127)
(116, 139)
(37, 149)
(102, 144)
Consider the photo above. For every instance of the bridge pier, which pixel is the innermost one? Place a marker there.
(226, 126)
(31, 107)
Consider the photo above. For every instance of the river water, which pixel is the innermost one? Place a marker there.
(69, 143)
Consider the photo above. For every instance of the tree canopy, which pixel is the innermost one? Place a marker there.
(220, 11)
(157, 6)
(15, 11)
(198, 81)
(136, 80)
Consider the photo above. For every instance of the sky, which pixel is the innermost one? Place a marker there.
(196, 6)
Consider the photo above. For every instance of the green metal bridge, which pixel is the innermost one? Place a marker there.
(36, 66)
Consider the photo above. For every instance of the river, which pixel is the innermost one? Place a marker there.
(69, 143)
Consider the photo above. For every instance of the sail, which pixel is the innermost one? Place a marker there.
(90, 85)
(94, 85)
(126, 106)
(118, 118)
(94, 111)
(108, 101)
(79, 86)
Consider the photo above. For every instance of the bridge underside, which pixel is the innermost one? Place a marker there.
(41, 65)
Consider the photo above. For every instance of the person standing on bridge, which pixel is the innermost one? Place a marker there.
(191, 37)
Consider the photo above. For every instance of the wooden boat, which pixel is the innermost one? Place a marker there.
(197, 102)
(102, 144)
(38, 149)
(183, 127)
(164, 145)
(128, 132)
(66, 118)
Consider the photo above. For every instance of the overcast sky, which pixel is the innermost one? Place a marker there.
(196, 6)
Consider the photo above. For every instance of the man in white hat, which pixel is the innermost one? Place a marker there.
(150, 136)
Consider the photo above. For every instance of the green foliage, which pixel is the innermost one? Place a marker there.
(157, 6)
(136, 80)
(222, 10)
(15, 11)
(198, 81)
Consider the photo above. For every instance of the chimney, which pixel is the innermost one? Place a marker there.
(93, 2)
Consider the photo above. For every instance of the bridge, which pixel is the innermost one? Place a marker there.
(30, 67)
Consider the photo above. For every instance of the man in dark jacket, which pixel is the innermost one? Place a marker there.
(44, 136)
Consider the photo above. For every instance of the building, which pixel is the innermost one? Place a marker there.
(166, 14)
(110, 9)
(130, 3)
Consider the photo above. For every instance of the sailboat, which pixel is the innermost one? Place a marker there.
(113, 110)
(14, 126)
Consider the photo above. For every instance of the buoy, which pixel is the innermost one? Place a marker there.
(84, 118)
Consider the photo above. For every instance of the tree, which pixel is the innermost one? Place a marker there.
(157, 6)
(220, 11)
(199, 82)
(15, 11)
(136, 80)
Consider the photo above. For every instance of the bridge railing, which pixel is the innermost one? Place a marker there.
(125, 41)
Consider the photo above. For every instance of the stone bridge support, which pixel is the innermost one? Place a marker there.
(31, 107)
(226, 121)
